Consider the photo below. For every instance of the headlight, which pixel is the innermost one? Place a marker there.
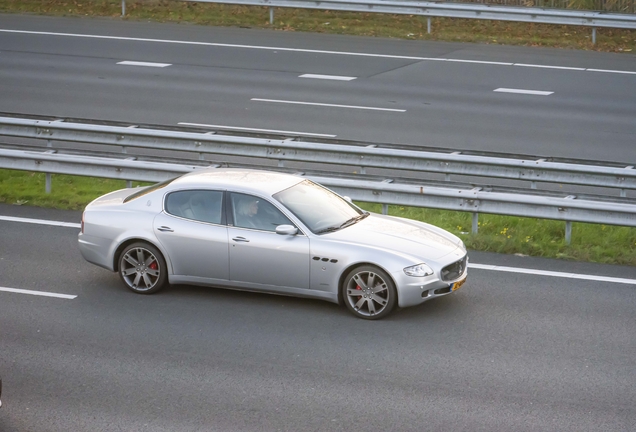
(418, 270)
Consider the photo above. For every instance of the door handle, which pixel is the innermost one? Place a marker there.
(240, 239)
(165, 229)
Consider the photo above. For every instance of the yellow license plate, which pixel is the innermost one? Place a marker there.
(458, 285)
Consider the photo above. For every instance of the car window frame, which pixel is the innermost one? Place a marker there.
(229, 212)
(223, 221)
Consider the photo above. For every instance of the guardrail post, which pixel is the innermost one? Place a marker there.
(47, 183)
(593, 35)
(475, 225)
(271, 15)
(568, 232)
(385, 209)
(428, 25)
(123, 7)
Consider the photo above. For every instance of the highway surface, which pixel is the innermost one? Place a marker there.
(507, 352)
(463, 96)
(546, 345)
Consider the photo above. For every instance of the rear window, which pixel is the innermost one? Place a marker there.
(146, 190)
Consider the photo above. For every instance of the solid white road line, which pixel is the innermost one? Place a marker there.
(549, 67)
(552, 273)
(269, 48)
(327, 105)
(612, 71)
(477, 62)
(327, 77)
(41, 222)
(521, 91)
(38, 293)
(257, 130)
(147, 64)
(470, 265)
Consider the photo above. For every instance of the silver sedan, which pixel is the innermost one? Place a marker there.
(269, 232)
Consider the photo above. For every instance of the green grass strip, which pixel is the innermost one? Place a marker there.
(349, 23)
(503, 234)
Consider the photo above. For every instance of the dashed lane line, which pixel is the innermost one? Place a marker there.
(328, 77)
(522, 91)
(146, 64)
(328, 105)
(246, 129)
(38, 293)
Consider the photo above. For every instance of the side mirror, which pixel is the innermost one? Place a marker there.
(286, 230)
(346, 198)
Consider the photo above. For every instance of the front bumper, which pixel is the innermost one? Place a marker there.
(417, 290)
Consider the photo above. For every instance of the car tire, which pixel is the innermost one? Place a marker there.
(377, 294)
(142, 268)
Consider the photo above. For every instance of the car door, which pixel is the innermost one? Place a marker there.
(260, 258)
(192, 230)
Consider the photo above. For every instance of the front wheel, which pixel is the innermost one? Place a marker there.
(369, 292)
(142, 268)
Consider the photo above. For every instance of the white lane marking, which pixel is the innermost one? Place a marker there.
(328, 105)
(471, 265)
(521, 91)
(41, 222)
(38, 293)
(549, 67)
(147, 64)
(327, 77)
(552, 273)
(269, 48)
(480, 62)
(611, 71)
(256, 129)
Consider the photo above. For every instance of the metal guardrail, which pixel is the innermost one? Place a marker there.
(413, 192)
(453, 10)
(586, 18)
(363, 157)
(617, 6)
(472, 200)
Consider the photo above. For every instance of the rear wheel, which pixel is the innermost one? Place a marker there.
(142, 268)
(369, 292)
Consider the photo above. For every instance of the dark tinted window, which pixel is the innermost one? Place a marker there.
(199, 205)
(252, 212)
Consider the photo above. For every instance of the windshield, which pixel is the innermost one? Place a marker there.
(318, 208)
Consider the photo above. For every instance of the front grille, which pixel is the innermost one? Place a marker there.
(454, 270)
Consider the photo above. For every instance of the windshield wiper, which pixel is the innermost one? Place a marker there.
(345, 224)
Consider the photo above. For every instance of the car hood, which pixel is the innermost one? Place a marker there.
(418, 239)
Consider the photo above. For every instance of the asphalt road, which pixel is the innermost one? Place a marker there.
(406, 92)
(508, 352)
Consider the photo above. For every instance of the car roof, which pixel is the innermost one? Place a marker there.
(239, 179)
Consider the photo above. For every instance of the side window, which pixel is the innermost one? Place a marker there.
(199, 205)
(253, 212)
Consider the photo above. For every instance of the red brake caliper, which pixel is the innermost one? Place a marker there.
(153, 265)
(358, 288)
